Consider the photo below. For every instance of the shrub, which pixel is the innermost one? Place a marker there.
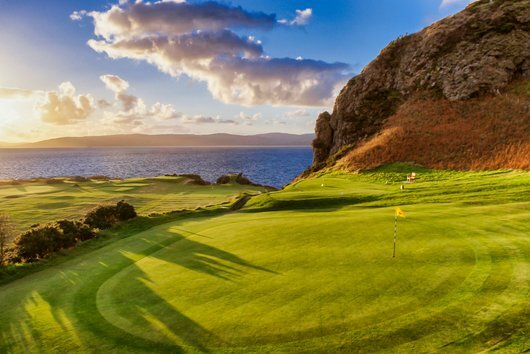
(104, 217)
(53, 181)
(225, 179)
(125, 211)
(234, 178)
(37, 243)
(79, 179)
(75, 230)
(99, 178)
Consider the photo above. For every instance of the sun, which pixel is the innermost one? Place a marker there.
(15, 115)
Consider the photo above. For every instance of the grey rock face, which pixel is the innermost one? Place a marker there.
(475, 52)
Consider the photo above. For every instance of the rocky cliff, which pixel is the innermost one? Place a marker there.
(466, 74)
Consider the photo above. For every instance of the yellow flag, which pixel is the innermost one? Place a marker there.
(400, 213)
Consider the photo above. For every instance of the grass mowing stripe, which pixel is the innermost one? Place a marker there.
(301, 280)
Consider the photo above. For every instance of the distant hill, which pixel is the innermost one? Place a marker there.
(133, 140)
(454, 96)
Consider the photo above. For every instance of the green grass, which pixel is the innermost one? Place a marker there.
(38, 203)
(306, 269)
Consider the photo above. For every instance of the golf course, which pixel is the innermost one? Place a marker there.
(304, 269)
(53, 198)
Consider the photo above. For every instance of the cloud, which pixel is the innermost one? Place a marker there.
(8, 93)
(114, 83)
(78, 15)
(302, 18)
(251, 118)
(104, 104)
(65, 107)
(133, 109)
(176, 17)
(297, 114)
(446, 3)
(198, 119)
(199, 40)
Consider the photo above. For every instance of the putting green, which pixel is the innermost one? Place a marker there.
(305, 269)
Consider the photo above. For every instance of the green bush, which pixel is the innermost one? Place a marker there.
(41, 242)
(125, 211)
(104, 217)
(75, 230)
(38, 243)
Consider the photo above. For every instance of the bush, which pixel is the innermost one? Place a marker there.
(41, 242)
(37, 243)
(75, 230)
(104, 217)
(53, 181)
(99, 178)
(234, 178)
(125, 211)
(79, 179)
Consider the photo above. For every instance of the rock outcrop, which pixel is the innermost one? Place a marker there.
(475, 53)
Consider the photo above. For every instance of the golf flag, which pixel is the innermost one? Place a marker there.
(400, 213)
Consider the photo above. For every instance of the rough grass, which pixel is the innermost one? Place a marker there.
(306, 269)
(491, 132)
(39, 202)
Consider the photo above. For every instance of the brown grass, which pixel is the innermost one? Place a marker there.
(486, 133)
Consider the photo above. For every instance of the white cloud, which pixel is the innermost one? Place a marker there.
(65, 107)
(114, 83)
(9, 93)
(300, 113)
(198, 119)
(176, 17)
(302, 18)
(195, 39)
(249, 119)
(133, 111)
(78, 15)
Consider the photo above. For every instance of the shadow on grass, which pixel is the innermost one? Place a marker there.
(311, 204)
(207, 259)
(142, 320)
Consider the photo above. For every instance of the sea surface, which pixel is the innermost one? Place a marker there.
(275, 166)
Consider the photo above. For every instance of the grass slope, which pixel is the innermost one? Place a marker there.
(489, 132)
(304, 269)
(36, 203)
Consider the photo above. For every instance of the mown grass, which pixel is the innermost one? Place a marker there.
(39, 202)
(306, 269)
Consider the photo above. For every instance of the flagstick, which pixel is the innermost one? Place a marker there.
(395, 235)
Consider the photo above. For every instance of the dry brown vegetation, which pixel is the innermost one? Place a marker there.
(491, 132)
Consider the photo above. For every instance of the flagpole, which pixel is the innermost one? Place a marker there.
(395, 235)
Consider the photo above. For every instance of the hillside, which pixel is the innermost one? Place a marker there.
(269, 139)
(455, 95)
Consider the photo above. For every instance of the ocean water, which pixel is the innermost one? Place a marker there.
(274, 166)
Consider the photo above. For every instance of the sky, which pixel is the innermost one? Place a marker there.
(97, 67)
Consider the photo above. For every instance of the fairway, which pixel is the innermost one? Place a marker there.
(305, 269)
(32, 203)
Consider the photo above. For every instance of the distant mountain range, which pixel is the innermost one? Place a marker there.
(137, 140)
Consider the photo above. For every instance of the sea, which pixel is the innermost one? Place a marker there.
(274, 166)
